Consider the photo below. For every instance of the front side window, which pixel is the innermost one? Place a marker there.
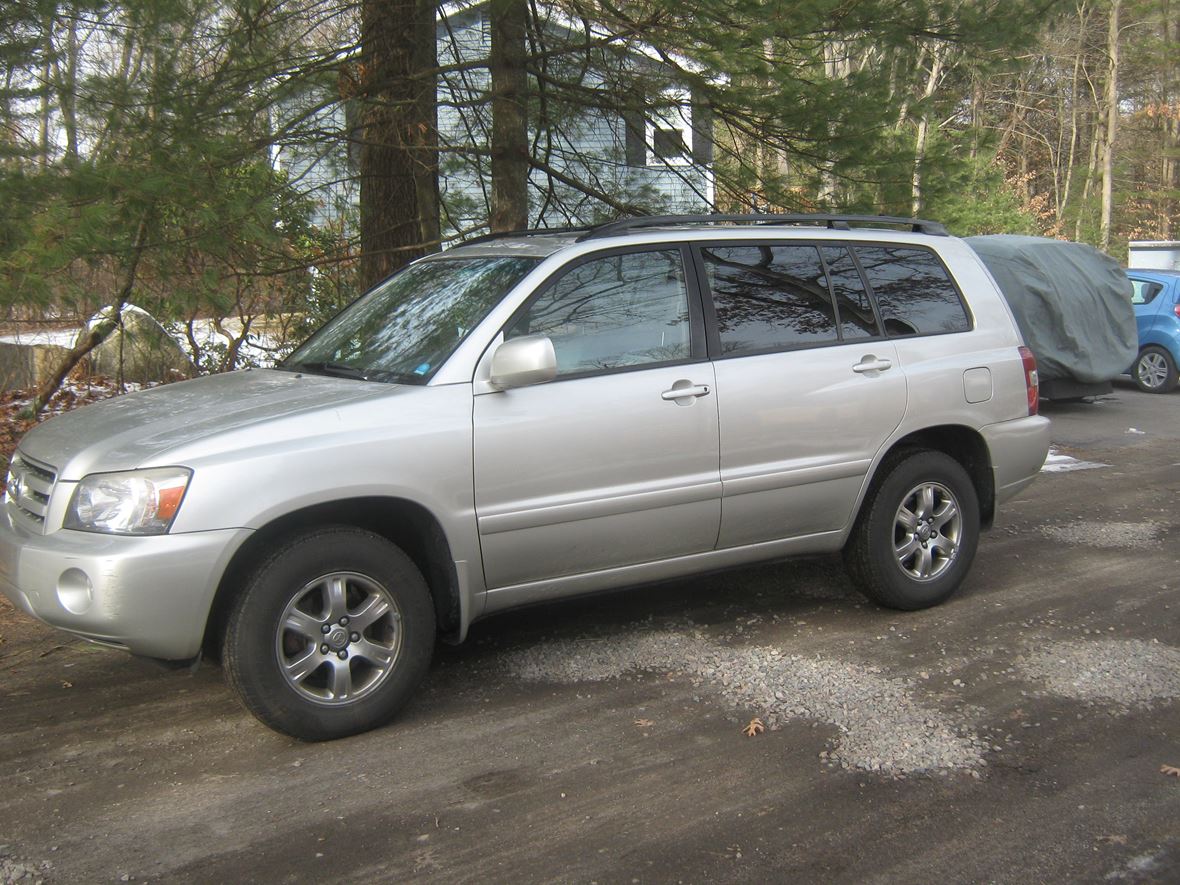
(406, 327)
(914, 293)
(769, 297)
(613, 312)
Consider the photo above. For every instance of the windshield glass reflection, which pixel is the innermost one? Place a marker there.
(406, 327)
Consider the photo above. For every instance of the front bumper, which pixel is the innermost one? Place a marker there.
(148, 595)
(1018, 449)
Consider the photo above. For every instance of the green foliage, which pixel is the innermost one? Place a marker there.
(156, 182)
(973, 198)
(155, 177)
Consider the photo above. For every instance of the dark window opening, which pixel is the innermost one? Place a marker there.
(668, 144)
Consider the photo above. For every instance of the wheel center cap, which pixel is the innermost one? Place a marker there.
(337, 638)
(923, 532)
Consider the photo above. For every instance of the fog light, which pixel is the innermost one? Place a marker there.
(74, 591)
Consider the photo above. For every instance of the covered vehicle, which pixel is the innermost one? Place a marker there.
(1073, 306)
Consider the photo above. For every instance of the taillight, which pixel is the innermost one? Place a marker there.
(1031, 383)
(1176, 310)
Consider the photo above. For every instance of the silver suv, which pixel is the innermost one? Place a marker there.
(527, 417)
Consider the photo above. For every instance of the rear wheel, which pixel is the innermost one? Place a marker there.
(917, 533)
(331, 635)
(1155, 370)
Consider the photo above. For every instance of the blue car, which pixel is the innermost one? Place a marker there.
(1157, 313)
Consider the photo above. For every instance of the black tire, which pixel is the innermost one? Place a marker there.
(1155, 370)
(330, 635)
(885, 557)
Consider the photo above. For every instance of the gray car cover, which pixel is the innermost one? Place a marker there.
(1072, 303)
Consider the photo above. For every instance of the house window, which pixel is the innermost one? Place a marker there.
(669, 130)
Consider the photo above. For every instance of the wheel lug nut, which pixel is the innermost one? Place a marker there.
(344, 621)
(324, 649)
(324, 628)
(342, 654)
(354, 637)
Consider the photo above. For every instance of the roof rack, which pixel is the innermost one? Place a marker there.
(484, 238)
(834, 222)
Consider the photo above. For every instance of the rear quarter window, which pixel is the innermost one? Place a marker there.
(915, 294)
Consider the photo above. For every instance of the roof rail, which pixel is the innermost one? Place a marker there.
(835, 222)
(484, 238)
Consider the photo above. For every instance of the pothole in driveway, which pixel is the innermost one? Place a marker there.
(1124, 672)
(881, 727)
(1128, 535)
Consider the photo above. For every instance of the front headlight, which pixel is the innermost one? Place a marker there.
(137, 502)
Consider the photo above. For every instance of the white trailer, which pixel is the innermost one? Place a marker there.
(1154, 254)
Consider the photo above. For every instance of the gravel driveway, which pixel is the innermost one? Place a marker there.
(1023, 732)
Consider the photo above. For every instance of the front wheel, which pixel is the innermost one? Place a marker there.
(331, 635)
(916, 536)
(1155, 371)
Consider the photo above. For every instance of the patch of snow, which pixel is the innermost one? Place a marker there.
(1056, 462)
(258, 348)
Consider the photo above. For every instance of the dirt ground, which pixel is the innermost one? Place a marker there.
(112, 769)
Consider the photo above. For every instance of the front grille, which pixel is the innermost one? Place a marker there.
(29, 486)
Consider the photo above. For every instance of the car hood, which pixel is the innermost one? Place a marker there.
(137, 429)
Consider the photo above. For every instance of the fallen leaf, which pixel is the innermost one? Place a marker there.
(755, 727)
(1113, 840)
(67, 685)
(644, 723)
(1170, 770)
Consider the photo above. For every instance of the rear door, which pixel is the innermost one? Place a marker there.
(615, 462)
(808, 387)
(1147, 303)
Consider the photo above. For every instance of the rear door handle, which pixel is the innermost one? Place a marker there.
(687, 390)
(872, 364)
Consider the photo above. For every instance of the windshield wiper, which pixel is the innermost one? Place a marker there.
(338, 370)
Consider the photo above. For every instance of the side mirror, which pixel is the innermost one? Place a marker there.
(519, 362)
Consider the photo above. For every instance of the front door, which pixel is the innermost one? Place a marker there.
(615, 462)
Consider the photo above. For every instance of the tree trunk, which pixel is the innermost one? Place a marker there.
(510, 125)
(1112, 124)
(399, 215)
(46, 80)
(1170, 168)
(102, 329)
(937, 56)
(1096, 139)
(1075, 97)
(836, 67)
(65, 71)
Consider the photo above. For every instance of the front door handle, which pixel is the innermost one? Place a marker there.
(872, 364)
(685, 389)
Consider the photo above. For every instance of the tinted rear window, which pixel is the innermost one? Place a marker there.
(856, 309)
(914, 293)
(769, 297)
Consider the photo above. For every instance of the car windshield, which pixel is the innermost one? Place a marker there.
(407, 326)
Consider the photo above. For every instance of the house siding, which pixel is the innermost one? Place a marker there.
(591, 147)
